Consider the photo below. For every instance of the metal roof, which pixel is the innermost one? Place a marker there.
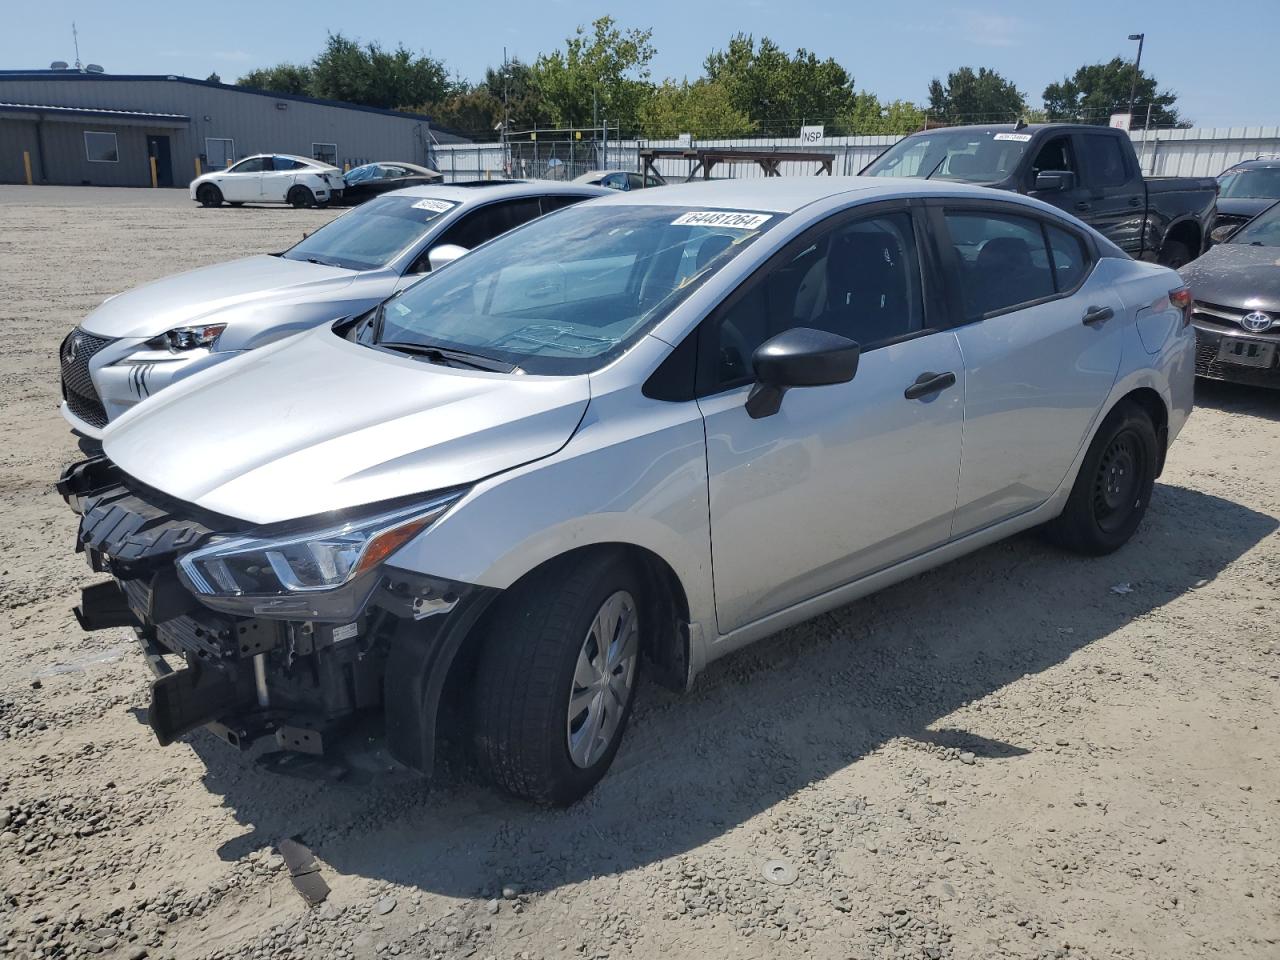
(6, 107)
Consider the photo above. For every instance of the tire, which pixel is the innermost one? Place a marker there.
(536, 665)
(208, 195)
(300, 196)
(1175, 254)
(1113, 489)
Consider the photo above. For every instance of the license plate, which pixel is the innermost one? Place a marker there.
(1248, 353)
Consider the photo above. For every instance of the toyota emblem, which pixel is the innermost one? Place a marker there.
(1256, 322)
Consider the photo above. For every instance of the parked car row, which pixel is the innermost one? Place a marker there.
(628, 433)
(301, 182)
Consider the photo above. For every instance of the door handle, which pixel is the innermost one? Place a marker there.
(929, 383)
(1096, 316)
(1083, 205)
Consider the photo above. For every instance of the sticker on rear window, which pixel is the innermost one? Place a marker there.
(722, 218)
(435, 206)
(1019, 137)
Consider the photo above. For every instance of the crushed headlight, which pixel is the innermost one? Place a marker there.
(305, 574)
(1221, 234)
(187, 338)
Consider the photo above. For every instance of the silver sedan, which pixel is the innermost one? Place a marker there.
(639, 433)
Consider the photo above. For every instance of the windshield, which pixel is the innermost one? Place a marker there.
(1263, 230)
(373, 234)
(1255, 183)
(570, 291)
(975, 156)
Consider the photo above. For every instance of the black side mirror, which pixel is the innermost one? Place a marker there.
(1051, 181)
(799, 357)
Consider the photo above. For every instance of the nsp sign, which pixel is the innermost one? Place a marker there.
(811, 136)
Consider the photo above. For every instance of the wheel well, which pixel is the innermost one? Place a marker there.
(1187, 232)
(1151, 402)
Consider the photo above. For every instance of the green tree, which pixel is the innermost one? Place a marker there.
(702, 108)
(975, 97)
(282, 78)
(1097, 90)
(870, 117)
(213, 78)
(777, 90)
(601, 73)
(479, 110)
(370, 75)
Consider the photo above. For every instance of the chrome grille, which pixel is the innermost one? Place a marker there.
(77, 386)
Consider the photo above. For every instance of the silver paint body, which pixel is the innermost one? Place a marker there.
(261, 299)
(848, 488)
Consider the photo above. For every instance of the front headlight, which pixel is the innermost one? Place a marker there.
(321, 574)
(187, 338)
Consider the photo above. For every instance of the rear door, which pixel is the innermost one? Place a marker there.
(1040, 352)
(844, 479)
(1116, 201)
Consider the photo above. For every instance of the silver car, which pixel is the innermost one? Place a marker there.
(145, 339)
(625, 440)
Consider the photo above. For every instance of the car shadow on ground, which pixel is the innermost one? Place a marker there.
(1237, 399)
(763, 724)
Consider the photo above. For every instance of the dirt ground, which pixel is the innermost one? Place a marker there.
(1022, 754)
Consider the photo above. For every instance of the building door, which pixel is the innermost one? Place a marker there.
(158, 147)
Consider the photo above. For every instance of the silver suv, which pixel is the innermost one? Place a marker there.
(625, 440)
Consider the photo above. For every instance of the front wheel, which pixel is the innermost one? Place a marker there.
(208, 195)
(556, 679)
(1113, 488)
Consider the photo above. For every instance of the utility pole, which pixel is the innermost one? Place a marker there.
(1137, 62)
(75, 40)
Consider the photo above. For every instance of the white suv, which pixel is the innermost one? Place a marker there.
(270, 178)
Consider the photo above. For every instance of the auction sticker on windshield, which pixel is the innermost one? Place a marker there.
(1017, 137)
(435, 206)
(722, 218)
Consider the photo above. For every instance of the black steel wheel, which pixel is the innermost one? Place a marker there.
(1113, 488)
(208, 195)
(300, 196)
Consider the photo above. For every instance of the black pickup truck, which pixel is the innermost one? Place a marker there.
(1089, 171)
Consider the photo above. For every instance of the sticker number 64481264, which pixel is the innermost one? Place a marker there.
(722, 218)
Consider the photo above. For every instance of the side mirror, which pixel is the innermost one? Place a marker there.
(799, 357)
(444, 255)
(1052, 181)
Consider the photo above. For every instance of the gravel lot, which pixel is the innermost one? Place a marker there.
(1023, 754)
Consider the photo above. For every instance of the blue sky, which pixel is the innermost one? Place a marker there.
(1221, 58)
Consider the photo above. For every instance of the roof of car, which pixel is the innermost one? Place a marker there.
(789, 194)
(500, 190)
(1260, 163)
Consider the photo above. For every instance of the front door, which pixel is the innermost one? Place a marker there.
(244, 180)
(1037, 374)
(845, 479)
(1117, 202)
(158, 149)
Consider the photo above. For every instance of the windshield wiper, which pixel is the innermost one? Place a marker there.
(936, 166)
(449, 355)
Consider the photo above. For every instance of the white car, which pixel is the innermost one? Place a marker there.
(270, 178)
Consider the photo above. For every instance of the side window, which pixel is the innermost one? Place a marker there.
(252, 165)
(559, 202)
(1106, 160)
(1070, 258)
(487, 222)
(615, 181)
(635, 181)
(1054, 155)
(1003, 261)
(860, 280)
(284, 163)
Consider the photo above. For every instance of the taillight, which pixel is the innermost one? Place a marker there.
(1181, 298)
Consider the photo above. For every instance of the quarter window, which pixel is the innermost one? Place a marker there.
(101, 147)
(1106, 160)
(1004, 262)
(860, 280)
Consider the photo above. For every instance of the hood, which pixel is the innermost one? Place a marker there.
(1244, 206)
(188, 298)
(316, 423)
(1237, 275)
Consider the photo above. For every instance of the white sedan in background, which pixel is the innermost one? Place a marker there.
(270, 178)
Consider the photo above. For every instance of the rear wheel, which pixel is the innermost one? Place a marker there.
(208, 195)
(1114, 485)
(1175, 254)
(300, 196)
(556, 679)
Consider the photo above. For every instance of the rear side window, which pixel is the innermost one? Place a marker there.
(487, 222)
(284, 163)
(558, 202)
(1106, 160)
(1004, 261)
(1070, 258)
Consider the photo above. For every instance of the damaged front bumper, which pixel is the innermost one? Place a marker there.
(302, 682)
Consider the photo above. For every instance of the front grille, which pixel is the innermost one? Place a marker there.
(1209, 366)
(77, 386)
